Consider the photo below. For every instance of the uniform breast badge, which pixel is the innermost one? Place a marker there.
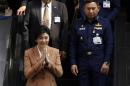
(98, 26)
(82, 27)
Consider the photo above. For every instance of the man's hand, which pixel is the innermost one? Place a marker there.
(74, 69)
(21, 10)
(62, 55)
(105, 68)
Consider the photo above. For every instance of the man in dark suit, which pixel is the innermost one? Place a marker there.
(57, 22)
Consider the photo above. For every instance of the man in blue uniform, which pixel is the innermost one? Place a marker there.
(91, 47)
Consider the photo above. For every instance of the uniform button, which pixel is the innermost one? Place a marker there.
(81, 38)
(89, 53)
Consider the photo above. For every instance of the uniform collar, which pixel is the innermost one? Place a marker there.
(95, 20)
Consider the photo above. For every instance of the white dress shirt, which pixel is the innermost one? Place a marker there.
(50, 12)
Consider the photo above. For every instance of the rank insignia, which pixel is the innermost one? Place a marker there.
(98, 26)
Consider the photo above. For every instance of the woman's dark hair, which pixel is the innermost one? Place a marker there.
(43, 29)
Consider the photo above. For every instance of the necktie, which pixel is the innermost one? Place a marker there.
(46, 16)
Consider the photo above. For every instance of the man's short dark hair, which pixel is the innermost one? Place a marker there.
(89, 1)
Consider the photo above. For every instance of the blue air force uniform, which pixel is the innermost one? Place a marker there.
(90, 46)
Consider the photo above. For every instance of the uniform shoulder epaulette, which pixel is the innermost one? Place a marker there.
(103, 20)
(79, 21)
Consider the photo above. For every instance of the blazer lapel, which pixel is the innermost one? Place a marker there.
(49, 53)
(36, 53)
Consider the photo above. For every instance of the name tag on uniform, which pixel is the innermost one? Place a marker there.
(57, 19)
(97, 40)
(106, 4)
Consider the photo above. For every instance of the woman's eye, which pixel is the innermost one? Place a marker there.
(46, 37)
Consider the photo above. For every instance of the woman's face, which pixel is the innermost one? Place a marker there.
(43, 39)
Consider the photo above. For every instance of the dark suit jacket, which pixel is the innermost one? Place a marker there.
(58, 31)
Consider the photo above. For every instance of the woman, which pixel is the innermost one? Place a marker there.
(42, 63)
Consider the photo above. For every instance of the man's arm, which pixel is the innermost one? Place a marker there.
(64, 32)
(108, 42)
(24, 3)
(22, 8)
(73, 50)
(73, 46)
(26, 26)
(64, 28)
